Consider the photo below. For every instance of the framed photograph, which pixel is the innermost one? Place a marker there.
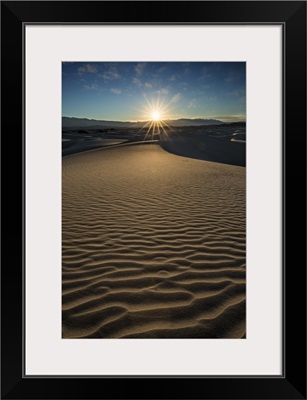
(157, 174)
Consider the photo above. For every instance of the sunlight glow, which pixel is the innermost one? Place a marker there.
(156, 112)
(155, 116)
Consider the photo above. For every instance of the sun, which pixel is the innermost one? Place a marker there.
(155, 116)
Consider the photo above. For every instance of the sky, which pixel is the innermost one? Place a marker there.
(132, 91)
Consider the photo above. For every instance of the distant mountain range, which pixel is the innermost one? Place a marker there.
(71, 122)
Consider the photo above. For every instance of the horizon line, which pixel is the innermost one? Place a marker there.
(222, 119)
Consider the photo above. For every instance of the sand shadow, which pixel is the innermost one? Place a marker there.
(221, 150)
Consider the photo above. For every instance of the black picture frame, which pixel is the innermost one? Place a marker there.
(292, 16)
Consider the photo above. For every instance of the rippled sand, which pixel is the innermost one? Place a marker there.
(153, 245)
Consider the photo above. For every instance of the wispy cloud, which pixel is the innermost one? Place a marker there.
(161, 69)
(163, 91)
(116, 91)
(137, 81)
(172, 78)
(139, 68)
(93, 86)
(87, 68)
(110, 73)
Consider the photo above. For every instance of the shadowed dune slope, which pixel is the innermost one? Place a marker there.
(206, 148)
(153, 245)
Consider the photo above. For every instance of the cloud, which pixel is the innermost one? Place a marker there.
(87, 68)
(93, 86)
(161, 69)
(139, 68)
(116, 90)
(137, 81)
(163, 91)
(91, 68)
(110, 73)
(172, 78)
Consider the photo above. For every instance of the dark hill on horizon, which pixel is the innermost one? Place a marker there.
(72, 122)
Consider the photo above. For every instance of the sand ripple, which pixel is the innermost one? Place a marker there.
(153, 246)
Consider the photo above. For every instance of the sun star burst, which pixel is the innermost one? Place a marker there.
(156, 112)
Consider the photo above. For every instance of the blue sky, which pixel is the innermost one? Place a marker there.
(130, 91)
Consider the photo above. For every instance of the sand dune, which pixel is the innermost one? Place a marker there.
(153, 245)
(226, 148)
